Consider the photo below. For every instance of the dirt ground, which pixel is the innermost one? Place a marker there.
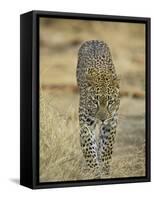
(61, 157)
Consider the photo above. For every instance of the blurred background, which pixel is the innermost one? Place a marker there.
(61, 158)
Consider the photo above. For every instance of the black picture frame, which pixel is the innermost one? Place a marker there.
(29, 98)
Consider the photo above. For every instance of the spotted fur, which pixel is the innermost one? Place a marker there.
(99, 104)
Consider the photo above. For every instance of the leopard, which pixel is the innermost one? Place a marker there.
(99, 89)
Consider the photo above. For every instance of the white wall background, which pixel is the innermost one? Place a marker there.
(9, 98)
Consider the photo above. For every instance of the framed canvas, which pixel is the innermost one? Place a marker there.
(85, 99)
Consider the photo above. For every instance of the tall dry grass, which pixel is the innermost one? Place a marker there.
(61, 157)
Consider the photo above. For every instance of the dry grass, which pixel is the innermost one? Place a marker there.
(61, 157)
